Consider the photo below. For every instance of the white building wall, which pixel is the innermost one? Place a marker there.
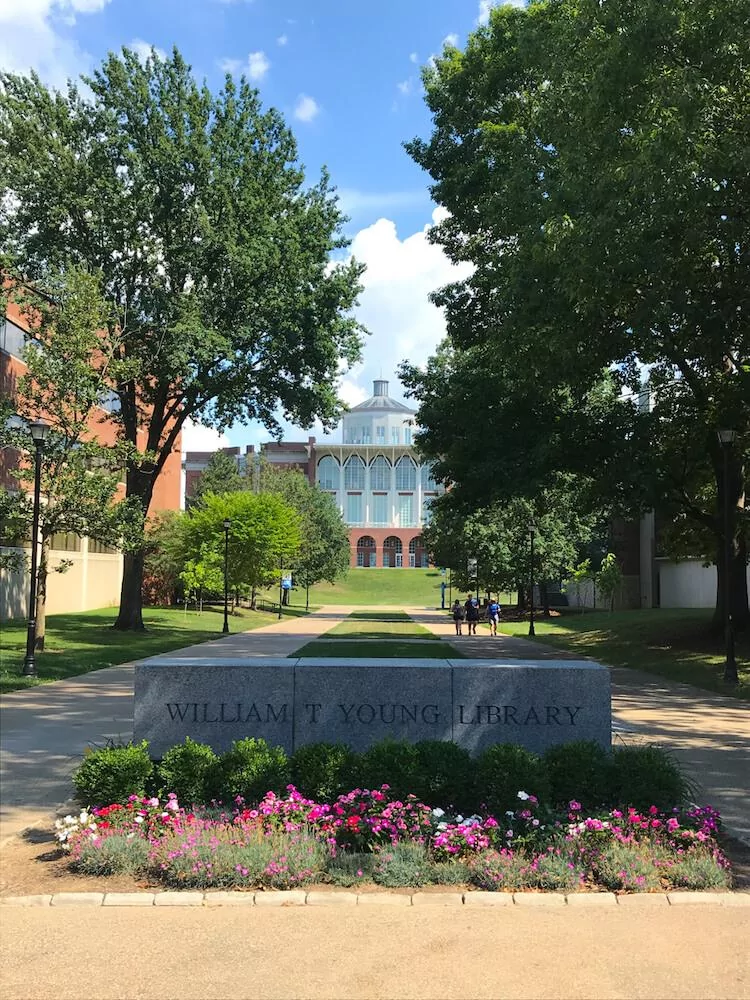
(687, 584)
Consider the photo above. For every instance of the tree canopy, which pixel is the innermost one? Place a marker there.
(593, 161)
(216, 259)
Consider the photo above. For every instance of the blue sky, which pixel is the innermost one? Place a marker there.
(346, 77)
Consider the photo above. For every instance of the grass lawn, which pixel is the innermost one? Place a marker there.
(396, 587)
(79, 643)
(673, 643)
(379, 629)
(385, 648)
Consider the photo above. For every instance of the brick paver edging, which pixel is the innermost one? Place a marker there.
(298, 897)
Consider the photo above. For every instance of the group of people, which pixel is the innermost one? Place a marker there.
(470, 612)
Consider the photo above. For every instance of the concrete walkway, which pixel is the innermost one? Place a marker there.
(45, 730)
(709, 734)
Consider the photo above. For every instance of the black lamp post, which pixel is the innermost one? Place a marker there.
(532, 532)
(281, 583)
(727, 439)
(38, 430)
(227, 526)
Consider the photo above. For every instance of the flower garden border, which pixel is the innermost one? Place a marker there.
(300, 897)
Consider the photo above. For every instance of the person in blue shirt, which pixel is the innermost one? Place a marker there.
(493, 616)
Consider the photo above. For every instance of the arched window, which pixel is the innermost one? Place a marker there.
(406, 474)
(380, 474)
(418, 553)
(366, 551)
(428, 481)
(354, 474)
(392, 551)
(329, 473)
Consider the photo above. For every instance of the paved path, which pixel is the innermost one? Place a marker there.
(637, 951)
(708, 733)
(44, 730)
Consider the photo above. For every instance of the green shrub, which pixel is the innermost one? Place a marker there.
(348, 868)
(444, 776)
(321, 771)
(451, 873)
(116, 854)
(697, 869)
(554, 871)
(629, 866)
(112, 774)
(498, 871)
(644, 776)
(503, 771)
(403, 865)
(582, 771)
(250, 768)
(185, 769)
(389, 762)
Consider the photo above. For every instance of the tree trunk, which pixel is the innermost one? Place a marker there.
(139, 486)
(253, 599)
(544, 598)
(521, 597)
(736, 586)
(41, 594)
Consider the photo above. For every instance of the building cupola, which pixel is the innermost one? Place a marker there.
(379, 387)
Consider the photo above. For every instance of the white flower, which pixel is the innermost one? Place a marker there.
(535, 822)
(459, 819)
(442, 826)
(510, 813)
(509, 834)
(83, 818)
(438, 812)
(523, 796)
(139, 819)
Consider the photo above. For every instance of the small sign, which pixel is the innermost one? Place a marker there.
(286, 583)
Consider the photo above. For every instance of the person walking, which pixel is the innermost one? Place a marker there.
(472, 613)
(458, 616)
(493, 616)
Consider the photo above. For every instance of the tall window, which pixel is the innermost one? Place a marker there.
(426, 513)
(354, 474)
(354, 508)
(394, 435)
(407, 435)
(329, 473)
(380, 434)
(380, 474)
(380, 506)
(428, 481)
(406, 474)
(406, 511)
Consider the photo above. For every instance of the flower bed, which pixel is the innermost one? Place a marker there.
(371, 835)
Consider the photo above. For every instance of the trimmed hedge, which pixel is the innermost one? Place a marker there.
(437, 773)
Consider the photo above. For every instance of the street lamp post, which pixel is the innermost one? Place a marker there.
(281, 583)
(532, 532)
(38, 430)
(727, 439)
(227, 526)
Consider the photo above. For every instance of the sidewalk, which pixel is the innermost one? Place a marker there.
(44, 730)
(709, 734)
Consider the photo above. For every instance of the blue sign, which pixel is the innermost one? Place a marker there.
(286, 583)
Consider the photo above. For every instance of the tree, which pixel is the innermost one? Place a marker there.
(164, 556)
(324, 551)
(216, 259)
(264, 532)
(609, 578)
(592, 159)
(201, 575)
(80, 477)
(221, 475)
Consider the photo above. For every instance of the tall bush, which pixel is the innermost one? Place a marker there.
(113, 773)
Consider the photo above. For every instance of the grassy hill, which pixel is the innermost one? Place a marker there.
(400, 587)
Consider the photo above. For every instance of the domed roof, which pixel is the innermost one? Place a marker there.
(380, 401)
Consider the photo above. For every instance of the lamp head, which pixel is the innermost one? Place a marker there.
(38, 430)
(727, 436)
(227, 524)
(532, 528)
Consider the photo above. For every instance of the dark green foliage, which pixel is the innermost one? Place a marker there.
(444, 775)
(392, 763)
(582, 771)
(348, 868)
(112, 774)
(403, 865)
(185, 770)
(503, 771)
(250, 768)
(116, 854)
(648, 776)
(322, 770)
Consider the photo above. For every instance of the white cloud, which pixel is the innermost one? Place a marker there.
(143, 49)
(255, 67)
(32, 35)
(282, 39)
(451, 39)
(485, 5)
(413, 57)
(306, 108)
(405, 86)
(197, 437)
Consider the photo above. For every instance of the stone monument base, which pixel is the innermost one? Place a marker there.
(292, 702)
